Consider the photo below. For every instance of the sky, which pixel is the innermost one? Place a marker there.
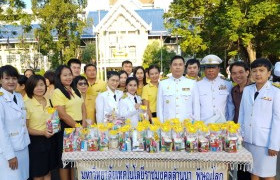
(28, 4)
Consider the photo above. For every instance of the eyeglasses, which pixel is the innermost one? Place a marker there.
(82, 84)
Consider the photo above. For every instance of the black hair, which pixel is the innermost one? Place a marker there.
(131, 79)
(59, 85)
(50, 76)
(22, 79)
(73, 61)
(153, 66)
(123, 72)
(177, 57)
(193, 61)
(77, 79)
(126, 62)
(275, 78)
(9, 71)
(29, 70)
(88, 65)
(134, 74)
(241, 64)
(32, 82)
(261, 62)
(111, 74)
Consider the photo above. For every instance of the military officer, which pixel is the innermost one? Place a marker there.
(176, 97)
(259, 117)
(14, 138)
(214, 93)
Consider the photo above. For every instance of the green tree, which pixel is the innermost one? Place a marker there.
(249, 28)
(89, 54)
(153, 55)
(61, 26)
(11, 12)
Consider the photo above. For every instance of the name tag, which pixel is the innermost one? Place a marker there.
(13, 134)
(185, 89)
(266, 98)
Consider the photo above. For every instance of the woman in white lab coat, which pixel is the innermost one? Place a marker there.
(130, 102)
(14, 138)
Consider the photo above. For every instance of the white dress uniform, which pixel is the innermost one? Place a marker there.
(127, 108)
(177, 99)
(260, 122)
(106, 103)
(215, 100)
(14, 138)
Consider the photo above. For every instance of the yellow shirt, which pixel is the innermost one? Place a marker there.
(92, 92)
(150, 94)
(36, 114)
(73, 106)
(25, 97)
(139, 91)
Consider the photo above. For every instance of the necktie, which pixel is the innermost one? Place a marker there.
(256, 95)
(15, 99)
(135, 100)
(115, 97)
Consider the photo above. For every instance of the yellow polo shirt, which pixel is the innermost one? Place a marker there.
(73, 106)
(36, 114)
(92, 92)
(150, 94)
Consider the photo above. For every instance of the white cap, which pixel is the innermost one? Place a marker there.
(211, 59)
(277, 69)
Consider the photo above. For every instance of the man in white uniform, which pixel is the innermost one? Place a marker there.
(176, 97)
(214, 93)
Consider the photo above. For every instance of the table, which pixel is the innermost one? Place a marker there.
(165, 160)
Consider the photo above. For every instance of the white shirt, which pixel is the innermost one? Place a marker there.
(177, 99)
(106, 103)
(127, 108)
(215, 100)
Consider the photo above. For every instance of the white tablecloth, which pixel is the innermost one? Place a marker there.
(242, 157)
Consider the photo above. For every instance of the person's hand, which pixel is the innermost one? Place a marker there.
(13, 163)
(137, 106)
(272, 152)
(48, 133)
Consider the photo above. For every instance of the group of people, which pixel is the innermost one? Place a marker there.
(28, 149)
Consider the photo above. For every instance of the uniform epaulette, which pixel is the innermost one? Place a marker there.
(124, 96)
(163, 78)
(222, 77)
(250, 84)
(276, 85)
(1, 93)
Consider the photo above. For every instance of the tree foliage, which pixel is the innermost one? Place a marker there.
(89, 54)
(61, 25)
(153, 54)
(249, 28)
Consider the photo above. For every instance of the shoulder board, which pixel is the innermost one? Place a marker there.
(163, 78)
(1, 93)
(124, 96)
(276, 85)
(250, 84)
(222, 77)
